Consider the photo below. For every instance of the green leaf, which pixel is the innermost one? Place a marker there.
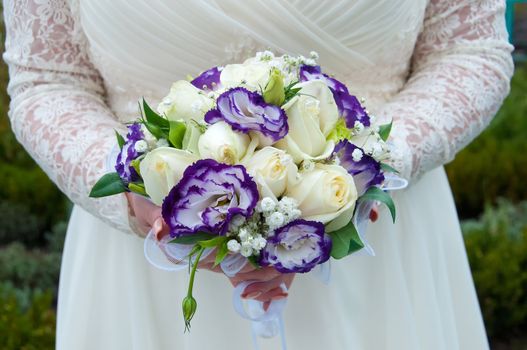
(177, 133)
(355, 242)
(345, 241)
(290, 91)
(137, 188)
(154, 118)
(384, 131)
(376, 194)
(221, 253)
(213, 242)
(155, 130)
(193, 238)
(108, 185)
(388, 169)
(156, 124)
(120, 139)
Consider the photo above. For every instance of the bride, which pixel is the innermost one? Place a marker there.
(439, 68)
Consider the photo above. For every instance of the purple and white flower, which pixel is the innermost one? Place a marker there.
(208, 80)
(297, 247)
(247, 111)
(349, 106)
(351, 109)
(308, 73)
(366, 171)
(208, 197)
(128, 153)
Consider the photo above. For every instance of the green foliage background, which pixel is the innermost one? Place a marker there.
(488, 179)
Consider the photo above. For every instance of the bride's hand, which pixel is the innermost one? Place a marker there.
(144, 215)
(266, 286)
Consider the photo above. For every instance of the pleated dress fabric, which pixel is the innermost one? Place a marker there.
(416, 293)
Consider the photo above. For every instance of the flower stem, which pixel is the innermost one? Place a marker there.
(189, 303)
(193, 271)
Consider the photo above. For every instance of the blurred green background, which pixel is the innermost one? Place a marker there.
(488, 178)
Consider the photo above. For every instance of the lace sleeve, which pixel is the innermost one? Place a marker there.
(460, 75)
(57, 107)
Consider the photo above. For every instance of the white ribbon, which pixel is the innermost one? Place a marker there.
(168, 256)
(361, 218)
(265, 324)
(393, 182)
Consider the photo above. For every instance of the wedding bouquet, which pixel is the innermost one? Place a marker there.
(271, 162)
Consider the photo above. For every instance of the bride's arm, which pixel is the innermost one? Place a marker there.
(460, 75)
(57, 106)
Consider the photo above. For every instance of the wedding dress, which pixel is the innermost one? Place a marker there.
(439, 68)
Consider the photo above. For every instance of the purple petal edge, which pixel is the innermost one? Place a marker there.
(247, 111)
(366, 172)
(313, 231)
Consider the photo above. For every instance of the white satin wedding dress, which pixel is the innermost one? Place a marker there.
(439, 68)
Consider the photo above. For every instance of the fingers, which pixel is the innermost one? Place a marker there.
(288, 279)
(256, 289)
(210, 266)
(145, 214)
(157, 227)
(273, 294)
(247, 268)
(261, 275)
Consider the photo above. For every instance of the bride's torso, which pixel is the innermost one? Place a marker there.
(141, 47)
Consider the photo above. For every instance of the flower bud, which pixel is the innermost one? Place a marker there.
(233, 246)
(189, 309)
(274, 90)
(223, 144)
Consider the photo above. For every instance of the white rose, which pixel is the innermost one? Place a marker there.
(312, 114)
(223, 144)
(162, 168)
(185, 102)
(325, 194)
(252, 75)
(273, 170)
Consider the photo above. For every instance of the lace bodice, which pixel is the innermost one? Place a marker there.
(440, 69)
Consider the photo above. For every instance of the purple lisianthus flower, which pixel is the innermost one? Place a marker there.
(351, 109)
(349, 106)
(366, 171)
(308, 73)
(297, 247)
(208, 196)
(208, 80)
(128, 153)
(246, 111)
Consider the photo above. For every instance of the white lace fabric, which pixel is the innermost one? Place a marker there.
(460, 73)
(461, 70)
(57, 103)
